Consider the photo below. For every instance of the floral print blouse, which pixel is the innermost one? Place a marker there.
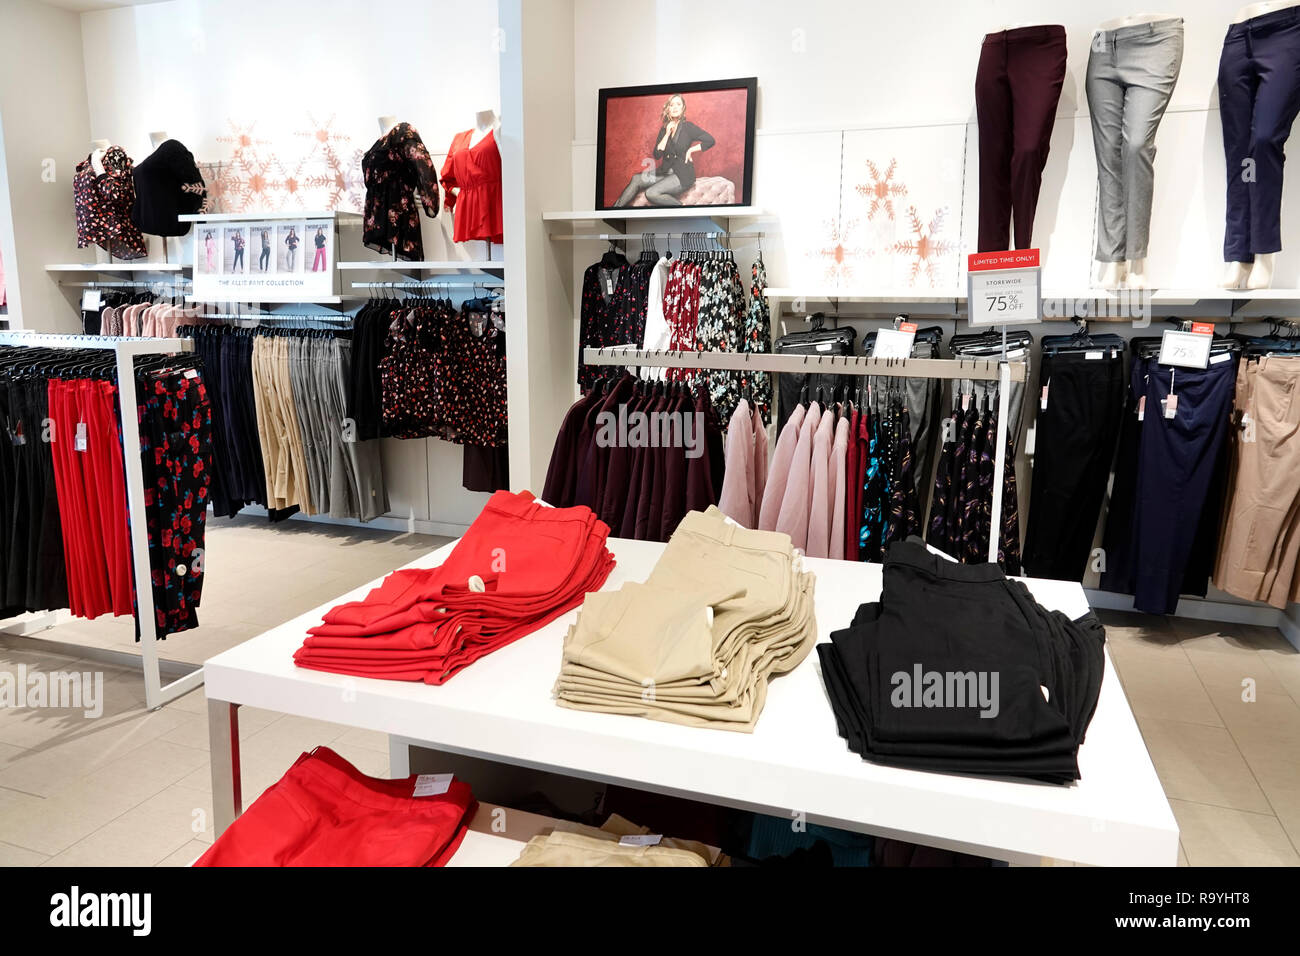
(103, 206)
(397, 169)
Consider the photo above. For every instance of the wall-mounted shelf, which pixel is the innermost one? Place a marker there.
(1100, 304)
(292, 216)
(618, 219)
(428, 265)
(125, 266)
(252, 297)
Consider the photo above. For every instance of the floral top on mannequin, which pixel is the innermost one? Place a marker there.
(471, 179)
(103, 205)
(400, 178)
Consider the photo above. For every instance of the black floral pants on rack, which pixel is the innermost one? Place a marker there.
(176, 452)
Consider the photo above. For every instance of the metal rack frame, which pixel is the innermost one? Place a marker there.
(125, 350)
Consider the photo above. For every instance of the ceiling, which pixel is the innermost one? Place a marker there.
(82, 6)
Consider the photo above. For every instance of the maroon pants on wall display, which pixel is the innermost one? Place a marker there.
(1017, 86)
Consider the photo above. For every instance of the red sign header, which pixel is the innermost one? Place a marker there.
(1203, 328)
(907, 327)
(1012, 259)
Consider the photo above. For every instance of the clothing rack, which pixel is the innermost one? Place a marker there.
(431, 283)
(125, 350)
(976, 369)
(129, 283)
(623, 236)
(275, 316)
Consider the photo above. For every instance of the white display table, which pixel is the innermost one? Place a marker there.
(794, 765)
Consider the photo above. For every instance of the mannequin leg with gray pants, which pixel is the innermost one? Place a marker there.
(659, 190)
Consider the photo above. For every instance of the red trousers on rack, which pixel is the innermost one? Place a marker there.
(86, 447)
(519, 566)
(325, 812)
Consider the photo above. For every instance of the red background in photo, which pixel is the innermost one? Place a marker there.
(631, 123)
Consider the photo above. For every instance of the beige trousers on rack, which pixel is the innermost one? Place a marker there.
(1260, 545)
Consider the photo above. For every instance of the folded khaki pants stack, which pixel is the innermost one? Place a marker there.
(724, 609)
(572, 844)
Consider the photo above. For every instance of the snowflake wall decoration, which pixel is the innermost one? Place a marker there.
(257, 178)
(926, 245)
(882, 190)
(840, 249)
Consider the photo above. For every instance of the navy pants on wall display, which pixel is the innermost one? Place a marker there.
(1259, 97)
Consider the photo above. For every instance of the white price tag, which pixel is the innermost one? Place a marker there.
(91, 300)
(432, 784)
(825, 346)
(80, 443)
(1186, 349)
(893, 344)
(1093, 356)
(641, 839)
(1221, 357)
(1003, 297)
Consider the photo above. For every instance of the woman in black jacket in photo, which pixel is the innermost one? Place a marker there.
(676, 144)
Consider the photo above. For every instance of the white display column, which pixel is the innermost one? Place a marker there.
(535, 43)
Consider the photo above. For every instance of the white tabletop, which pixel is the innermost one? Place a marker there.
(794, 764)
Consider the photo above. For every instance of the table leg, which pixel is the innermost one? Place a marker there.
(399, 757)
(223, 742)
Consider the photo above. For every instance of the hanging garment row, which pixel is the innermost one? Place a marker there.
(692, 301)
(64, 530)
(841, 482)
(138, 313)
(1260, 546)
(283, 436)
(639, 454)
(1171, 477)
(442, 374)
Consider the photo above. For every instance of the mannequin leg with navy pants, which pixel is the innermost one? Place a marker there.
(1259, 97)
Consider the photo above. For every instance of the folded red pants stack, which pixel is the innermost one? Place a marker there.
(325, 812)
(519, 566)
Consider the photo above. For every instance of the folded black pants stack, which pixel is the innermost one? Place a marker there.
(957, 669)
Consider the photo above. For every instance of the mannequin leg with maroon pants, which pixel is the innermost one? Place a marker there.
(1017, 87)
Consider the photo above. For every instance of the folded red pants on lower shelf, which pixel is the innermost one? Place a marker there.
(325, 812)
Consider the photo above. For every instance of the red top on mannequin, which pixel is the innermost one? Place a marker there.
(476, 171)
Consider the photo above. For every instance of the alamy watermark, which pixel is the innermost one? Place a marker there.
(66, 690)
(959, 689)
(651, 430)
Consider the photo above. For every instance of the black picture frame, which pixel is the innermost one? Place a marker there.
(749, 84)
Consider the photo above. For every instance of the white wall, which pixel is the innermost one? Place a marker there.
(881, 82)
(46, 132)
(291, 91)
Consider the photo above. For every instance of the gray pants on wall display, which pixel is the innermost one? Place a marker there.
(1131, 75)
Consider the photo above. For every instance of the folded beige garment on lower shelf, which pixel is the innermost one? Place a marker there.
(578, 849)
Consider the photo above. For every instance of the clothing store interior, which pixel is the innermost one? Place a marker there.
(940, 402)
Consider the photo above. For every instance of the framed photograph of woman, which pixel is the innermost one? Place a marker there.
(676, 144)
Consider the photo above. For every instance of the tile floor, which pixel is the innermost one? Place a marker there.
(132, 787)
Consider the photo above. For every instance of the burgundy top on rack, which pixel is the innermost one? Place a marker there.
(103, 206)
(476, 172)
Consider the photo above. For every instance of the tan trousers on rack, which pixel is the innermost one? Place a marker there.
(277, 426)
(1260, 544)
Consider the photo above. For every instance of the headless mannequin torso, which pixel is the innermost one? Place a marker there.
(485, 121)
(386, 123)
(1257, 274)
(98, 147)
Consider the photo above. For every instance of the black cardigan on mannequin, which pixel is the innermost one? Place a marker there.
(674, 154)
